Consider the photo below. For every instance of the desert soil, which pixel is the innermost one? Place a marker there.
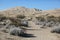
(39, 33)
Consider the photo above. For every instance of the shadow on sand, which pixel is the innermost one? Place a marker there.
(27, 35)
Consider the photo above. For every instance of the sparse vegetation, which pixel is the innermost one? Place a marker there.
(2, 17)
(16, 21)
(21, 16)
(37, 9)
(58, 19)
(56, 30)
(48, 21)
(19, 22)
(51, 18)
(41, 18)
(16, 31)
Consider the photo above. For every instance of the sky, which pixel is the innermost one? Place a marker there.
(39, 4)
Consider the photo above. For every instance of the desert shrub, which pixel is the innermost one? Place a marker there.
(15, 21)
(10, 26)
(37, 9)
(21, 16)
(40, 18)
(58, 18)
(51, 18)
(16, 31)
(24, 23)
(56, 30)
(19, 22)
(2, 17)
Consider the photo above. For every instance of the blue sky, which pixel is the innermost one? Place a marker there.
(39, 4)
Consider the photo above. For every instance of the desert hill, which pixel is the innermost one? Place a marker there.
(21, 23)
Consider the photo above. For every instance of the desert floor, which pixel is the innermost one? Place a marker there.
(35, 32)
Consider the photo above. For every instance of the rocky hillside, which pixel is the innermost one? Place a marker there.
(22, 23)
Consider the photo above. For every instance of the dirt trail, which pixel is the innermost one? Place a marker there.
(41, 34)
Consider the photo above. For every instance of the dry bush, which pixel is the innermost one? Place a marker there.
(2, 17)
(50, 21)
(37, 9)
(19, 22)
(15, 21)
(21, 16)
(16, 31)
(58, 18)
(56, 30)
(51, 18)
(40, 18)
